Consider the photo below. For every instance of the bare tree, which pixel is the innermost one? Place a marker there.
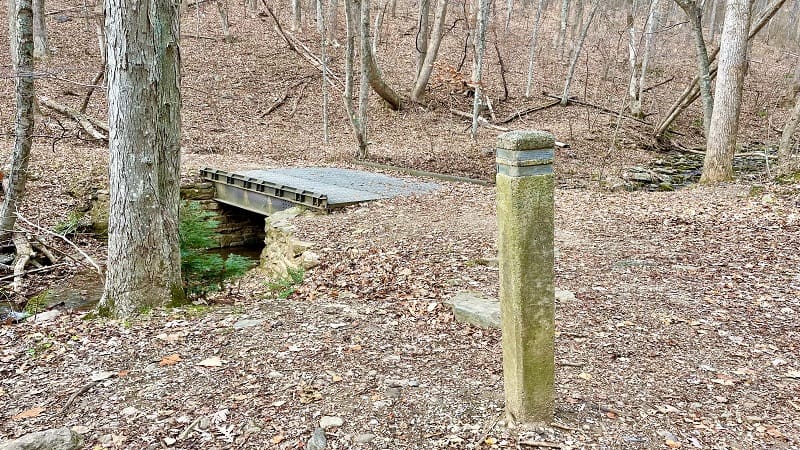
(326, 135)
(695, 14)
(576, 52)
(222, 8)
(692, 91)
(372, 72)
(721, 144)
(17, 175)
(482, 22)
(144, 116)
(430, 53)
(534, 37)
(40, 48)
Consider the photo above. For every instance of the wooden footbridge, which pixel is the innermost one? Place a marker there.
(320, 188)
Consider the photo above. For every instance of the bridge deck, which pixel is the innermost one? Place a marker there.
(326, 188)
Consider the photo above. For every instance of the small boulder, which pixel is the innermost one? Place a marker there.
(53, 439)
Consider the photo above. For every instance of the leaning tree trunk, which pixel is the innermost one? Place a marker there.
(477, 68)
(576, 52)
(721, 145)
(297, 15)
(431, 53)
(144, 117)
(534, 37)
(23, 128)
(374, 79)
(40, 47)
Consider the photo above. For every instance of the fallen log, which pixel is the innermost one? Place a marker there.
(24, 253)
(481, 121)
(85, 122)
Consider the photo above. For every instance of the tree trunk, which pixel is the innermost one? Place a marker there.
(333, 15)
(12, 30)
(431, 52)
(376, 40)
(653, 21)
(509, 11)
(695, 15)
(371, 72)
(712, 22)
(17, 176)
(482, 22)
(40, 47)
(786, 157)
(561, 37)
(222, 7)
(721, 145)
(633, 88)
(422, 35)
(297, 15)
(576, 52)
(534, 38)
(326, 135)
(144, 117)
(349, 75)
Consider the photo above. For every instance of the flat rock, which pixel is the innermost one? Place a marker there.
(476, 309)
(364, 438)
(330, 422)
(247, 323)
(53, 439)
(46, 316)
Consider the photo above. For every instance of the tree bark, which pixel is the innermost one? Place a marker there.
(17, 176)
(144, 115)
(576, 53)
(534, 38)
(718, 166)
(431, 53)
(482, 22)
(40, 48)
(222, 8)
(561, 37)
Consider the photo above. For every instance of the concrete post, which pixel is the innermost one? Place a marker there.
(527, 295)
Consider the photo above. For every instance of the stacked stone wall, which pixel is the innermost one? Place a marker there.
(236, 227)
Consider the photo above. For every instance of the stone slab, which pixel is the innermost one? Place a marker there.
(476, 309)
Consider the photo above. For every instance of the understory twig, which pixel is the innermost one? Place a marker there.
(77, 393)
(89, 125)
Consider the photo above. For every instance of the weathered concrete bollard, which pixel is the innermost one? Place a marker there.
(527, 297)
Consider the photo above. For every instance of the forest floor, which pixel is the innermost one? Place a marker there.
(683, 331)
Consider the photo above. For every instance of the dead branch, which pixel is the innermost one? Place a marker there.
(649, 88)
(93, 86)
(301, 49)
(24, 253)
(196, 36)
(30, 271)
(602, 109)
(481, 121)
(77, 393)
(65, 239)
(527, 111)
(78, 117)
(276, 103)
